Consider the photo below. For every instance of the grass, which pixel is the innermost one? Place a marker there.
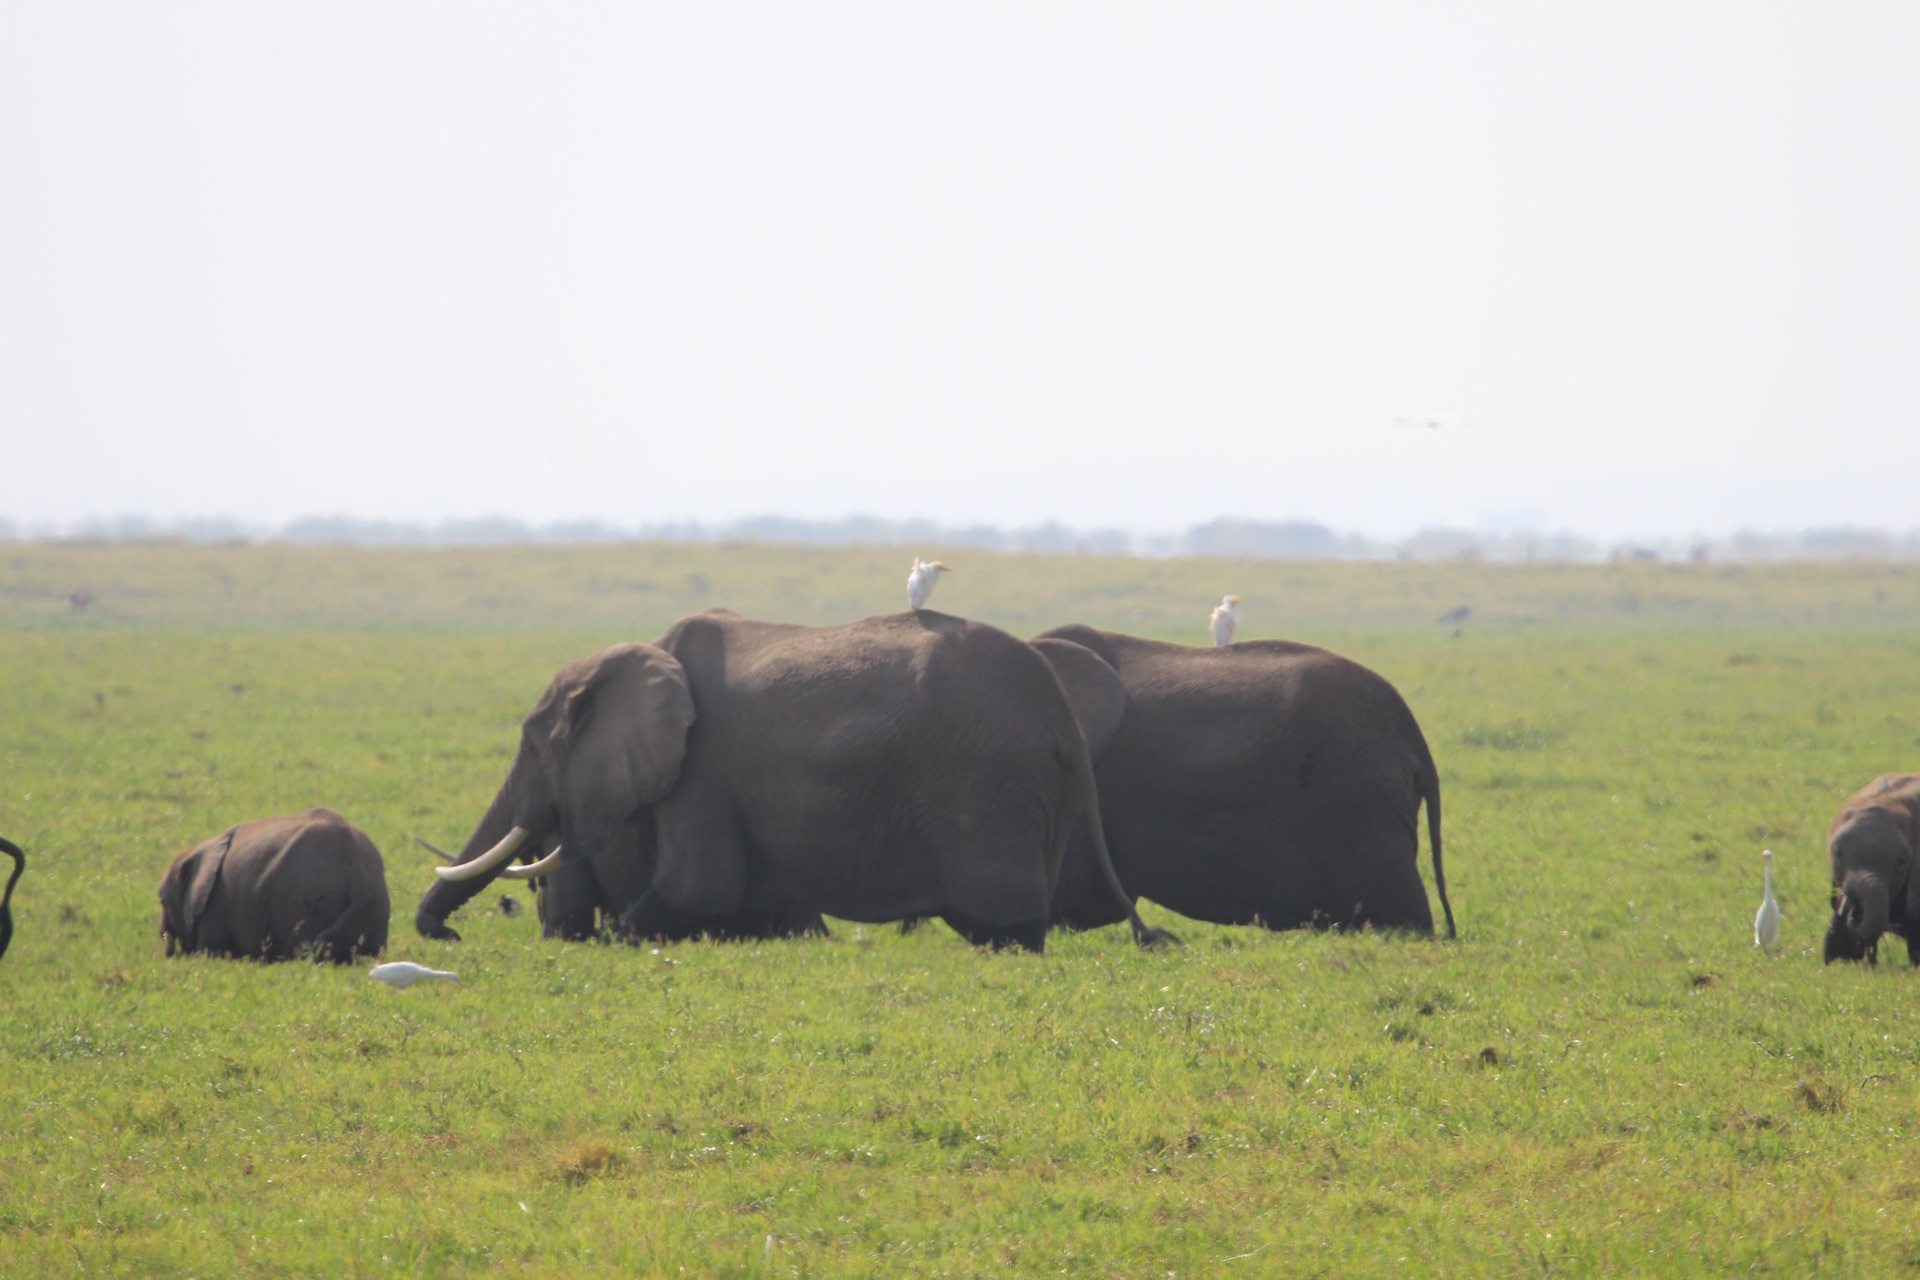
(1601, 1076)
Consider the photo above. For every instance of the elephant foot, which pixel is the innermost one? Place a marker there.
(428, 925)
(652, 918)
(1030, 937)
(1147, 938)
(796, 924)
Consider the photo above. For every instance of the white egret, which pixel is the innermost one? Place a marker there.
(1224, 621)
(1766, 922)
(921, 582)
(404, 973)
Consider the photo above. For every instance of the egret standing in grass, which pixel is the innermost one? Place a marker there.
(404, 973)
(921, 582)
(1225, 621)
(1766, 923)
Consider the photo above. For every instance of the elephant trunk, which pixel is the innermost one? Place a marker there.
(496, 828)
(1859, 917)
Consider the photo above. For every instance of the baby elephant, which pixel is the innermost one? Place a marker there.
(1873, 843)
(277, 888)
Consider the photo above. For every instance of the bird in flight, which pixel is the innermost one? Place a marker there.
(921, 582)
(1431, 421)
(1224, 621)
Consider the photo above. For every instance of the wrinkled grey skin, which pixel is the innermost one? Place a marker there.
(276, 888)
(912, 764)
(1872, 845)
(584, 899)
(1264, 781)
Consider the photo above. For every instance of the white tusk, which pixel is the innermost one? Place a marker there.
(486, 861)
(533, 870)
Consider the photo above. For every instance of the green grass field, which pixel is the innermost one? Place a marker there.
(1601, 1076)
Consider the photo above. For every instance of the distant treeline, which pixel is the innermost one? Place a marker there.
(1254, 539)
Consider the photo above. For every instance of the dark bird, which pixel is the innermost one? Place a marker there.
(12, 850)
(509, 906)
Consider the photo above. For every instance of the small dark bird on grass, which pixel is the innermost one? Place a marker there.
(509, 905)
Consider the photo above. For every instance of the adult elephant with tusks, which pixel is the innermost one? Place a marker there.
(1872, 846)
(912, 764)
(1265, 781)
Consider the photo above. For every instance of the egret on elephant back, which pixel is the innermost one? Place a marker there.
(921, 582)
(1224, 621)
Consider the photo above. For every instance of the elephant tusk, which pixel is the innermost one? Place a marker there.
(488, 860)
(534, 870)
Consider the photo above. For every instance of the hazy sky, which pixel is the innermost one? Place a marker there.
(1656, 267)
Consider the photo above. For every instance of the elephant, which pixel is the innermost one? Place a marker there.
(12, 850)
(275, 888)
(585, 898)
(1262, 782)
(1872, 845)
(904, 765)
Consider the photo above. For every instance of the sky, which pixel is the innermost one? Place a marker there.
(1619, 269)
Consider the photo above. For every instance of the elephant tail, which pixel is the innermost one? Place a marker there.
(1143, 934)
(1430, 792)
(329, 944)
(361, 927)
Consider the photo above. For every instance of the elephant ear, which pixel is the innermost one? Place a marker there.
(619, 739)
(1094, 689)
(190, 881)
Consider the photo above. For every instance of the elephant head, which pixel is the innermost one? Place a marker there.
(604, 741)
(186, 889)
(1872, 848)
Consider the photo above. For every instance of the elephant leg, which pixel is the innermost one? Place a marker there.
(1031, 936)
(1913, 948)
(772, 923)
(569, 905)
(330, 944)
(795, 924)
(652, 918)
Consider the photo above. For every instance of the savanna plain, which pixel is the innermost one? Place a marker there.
(1602, 1075)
